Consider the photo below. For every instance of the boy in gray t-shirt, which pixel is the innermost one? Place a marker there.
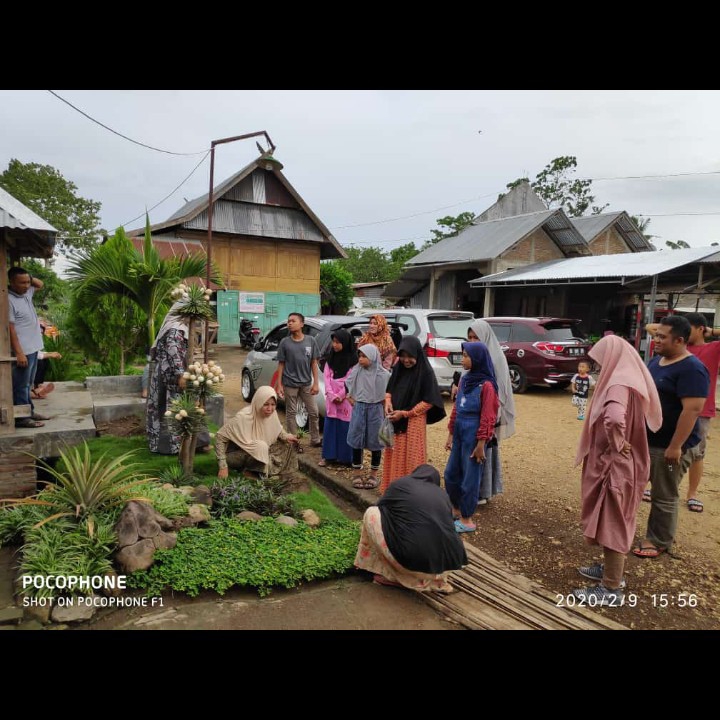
(298, 376)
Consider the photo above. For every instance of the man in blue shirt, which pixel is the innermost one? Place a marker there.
(25, 340)
(683, 383)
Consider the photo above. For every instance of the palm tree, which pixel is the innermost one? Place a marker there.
(142, 276)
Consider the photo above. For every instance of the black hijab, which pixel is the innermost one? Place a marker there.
(417, 522)
(341, 362)
(409, 386)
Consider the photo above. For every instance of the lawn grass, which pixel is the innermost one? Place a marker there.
(319, 502)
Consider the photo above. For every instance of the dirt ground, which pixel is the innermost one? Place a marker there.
(534, 527)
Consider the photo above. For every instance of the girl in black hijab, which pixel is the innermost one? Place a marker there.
(409, 539)
(412, 401)
(340, 361)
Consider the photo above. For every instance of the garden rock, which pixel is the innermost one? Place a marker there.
(39, 613)
(248, 515)
(77, 612)
(112, 590)
(287, 520)
(186, 490)
(199, 513)
(311, 518)
(201, 495)
(138, 556)
(11, 616)
(139, 520)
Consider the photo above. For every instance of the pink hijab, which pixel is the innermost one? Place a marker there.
(620, 365)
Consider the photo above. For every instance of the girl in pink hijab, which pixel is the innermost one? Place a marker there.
(616, 462)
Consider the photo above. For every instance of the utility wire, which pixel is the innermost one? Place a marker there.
(172, 193)
(150, 147)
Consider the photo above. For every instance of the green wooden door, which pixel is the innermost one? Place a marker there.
(228, 316)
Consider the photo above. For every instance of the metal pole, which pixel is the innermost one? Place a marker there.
(221, 141)
(209, 244)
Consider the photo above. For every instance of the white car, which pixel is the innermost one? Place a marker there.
(441, 333)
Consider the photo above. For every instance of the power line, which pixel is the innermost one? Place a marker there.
(97, 122)
(172, 193)
(407, 217)
(649, 177)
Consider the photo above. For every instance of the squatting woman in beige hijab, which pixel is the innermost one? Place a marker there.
(254, 439)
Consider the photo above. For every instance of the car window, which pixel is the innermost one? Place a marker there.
(526, 333)
(562, 333)
(272, 341)
(502, 331)
(445, 326)
(412, 326)
(310, 330)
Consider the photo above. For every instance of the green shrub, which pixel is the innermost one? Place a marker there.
(166, 502)
(245, 493)
(262, 554)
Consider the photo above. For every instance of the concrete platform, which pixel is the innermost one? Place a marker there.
(70, 408)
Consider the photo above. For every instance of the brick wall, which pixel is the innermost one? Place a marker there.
(537, 247)
(609, 242)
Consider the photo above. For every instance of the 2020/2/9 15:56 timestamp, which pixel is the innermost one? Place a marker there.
(657, 600)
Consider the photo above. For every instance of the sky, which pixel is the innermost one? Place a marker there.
(379, 167)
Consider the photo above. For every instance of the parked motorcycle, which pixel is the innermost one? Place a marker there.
(249, 333)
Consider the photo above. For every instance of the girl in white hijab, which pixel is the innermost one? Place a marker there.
(255, 440)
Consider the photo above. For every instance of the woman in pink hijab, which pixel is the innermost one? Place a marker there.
(616, 463)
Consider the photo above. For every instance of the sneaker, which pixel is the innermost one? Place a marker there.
(581, 417)
(595, 572)
(600, 596)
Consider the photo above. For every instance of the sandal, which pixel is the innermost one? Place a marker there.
(695, 505)
(371, 483)
(28, 423)
(647, 496)
(382, 580)
(322, 462)
(462, 528)
(648, 551)
(38, 416)
(358, 482)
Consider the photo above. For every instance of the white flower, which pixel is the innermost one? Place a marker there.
(211, 363)
(196, 383)
(168, 413)
(178, 416)
(222, 377)
(184, 413)
(200, 379)
(201, 411)
(186, 375)
(192, 377)
(212, 435)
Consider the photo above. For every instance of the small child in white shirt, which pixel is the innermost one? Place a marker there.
(581, 383)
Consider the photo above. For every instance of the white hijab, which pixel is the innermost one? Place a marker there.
(173, 321)
(369, 384)
(506, 416)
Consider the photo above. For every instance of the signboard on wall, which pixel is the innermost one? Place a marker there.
(251, 302)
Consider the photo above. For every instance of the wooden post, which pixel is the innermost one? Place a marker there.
(7, 417)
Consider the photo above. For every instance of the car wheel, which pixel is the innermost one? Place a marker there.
(518, 379)
(247, 386)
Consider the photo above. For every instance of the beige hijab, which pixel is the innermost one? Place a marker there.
(620, 365)
(251, 430)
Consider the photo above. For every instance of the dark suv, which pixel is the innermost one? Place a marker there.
(540, 351)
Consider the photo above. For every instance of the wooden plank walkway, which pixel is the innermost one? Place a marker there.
(489, 596)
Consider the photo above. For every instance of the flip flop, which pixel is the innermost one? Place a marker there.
(28, 423)
(462, 528)
(322, 462)
(382, 580)
(647, 496)
(695, 505)
(38, 416)
(648, 552)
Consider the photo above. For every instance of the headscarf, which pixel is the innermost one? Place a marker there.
(619, 365)
(341, 362)
(382, 339)
(409, 386)
(482, 368)
(251, 430)
(173, 321)
(506, 416)
(417, 523)
(368, 384)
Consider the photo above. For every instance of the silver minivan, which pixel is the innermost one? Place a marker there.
(441, 333)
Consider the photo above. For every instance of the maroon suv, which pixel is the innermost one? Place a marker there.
(540, 351)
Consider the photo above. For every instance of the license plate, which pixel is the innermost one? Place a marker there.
(576, 351)
(456, 358)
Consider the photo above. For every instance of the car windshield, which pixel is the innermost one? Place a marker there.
(449, 327)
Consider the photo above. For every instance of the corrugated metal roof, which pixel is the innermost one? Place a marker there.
(490, 239)
(605, 266)
(243, 218)
(13, 214)
(590, 227)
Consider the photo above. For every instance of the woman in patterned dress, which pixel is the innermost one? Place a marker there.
(379, 335)
(412, 401)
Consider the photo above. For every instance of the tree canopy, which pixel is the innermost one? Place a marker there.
(54, 198)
